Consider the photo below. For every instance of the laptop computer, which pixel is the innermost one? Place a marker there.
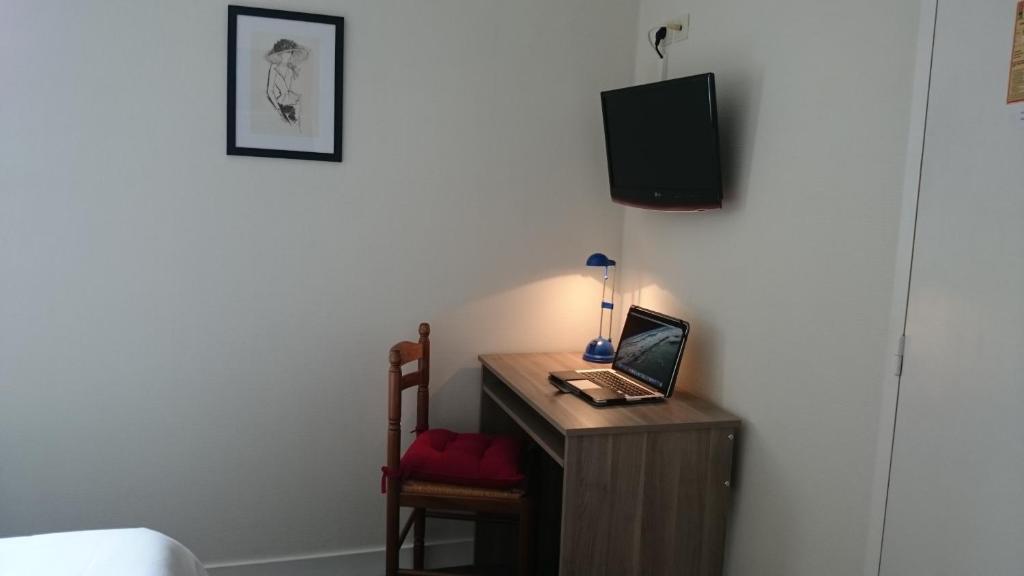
(645, 365)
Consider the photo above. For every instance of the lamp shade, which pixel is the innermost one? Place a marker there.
(598, 259)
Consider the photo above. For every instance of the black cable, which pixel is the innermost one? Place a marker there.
(658, 37)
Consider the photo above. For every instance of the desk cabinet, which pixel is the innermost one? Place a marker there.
(644, 489)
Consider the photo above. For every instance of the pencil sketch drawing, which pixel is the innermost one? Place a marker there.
(286, 58)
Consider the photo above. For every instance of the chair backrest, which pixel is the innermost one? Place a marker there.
(400, 355)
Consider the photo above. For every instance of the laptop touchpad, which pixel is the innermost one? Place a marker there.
(583, 384)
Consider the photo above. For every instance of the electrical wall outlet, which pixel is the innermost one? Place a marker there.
(678, 30)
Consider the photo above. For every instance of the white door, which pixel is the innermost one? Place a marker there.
(956, 497)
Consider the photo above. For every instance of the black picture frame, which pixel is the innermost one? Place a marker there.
(339, 29)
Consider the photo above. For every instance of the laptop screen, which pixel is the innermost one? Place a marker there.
(650, 348)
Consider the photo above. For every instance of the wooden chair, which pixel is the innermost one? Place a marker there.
(429, 499)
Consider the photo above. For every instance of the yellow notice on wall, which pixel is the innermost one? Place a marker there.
(1016, 90)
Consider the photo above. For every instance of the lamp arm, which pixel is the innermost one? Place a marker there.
(611, 313)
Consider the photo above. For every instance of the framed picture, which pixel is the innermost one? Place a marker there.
(284, 84)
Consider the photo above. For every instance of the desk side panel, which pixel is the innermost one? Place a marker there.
(647, 503)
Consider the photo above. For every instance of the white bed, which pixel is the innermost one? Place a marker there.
(129, 552)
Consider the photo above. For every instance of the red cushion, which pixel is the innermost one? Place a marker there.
(439, 455)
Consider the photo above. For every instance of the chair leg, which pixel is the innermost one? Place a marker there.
(525, 540)
(417, 538)
(391, 542)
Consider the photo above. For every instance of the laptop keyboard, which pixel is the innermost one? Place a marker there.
(615, 382)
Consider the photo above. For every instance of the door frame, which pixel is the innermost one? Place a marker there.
(901, 283)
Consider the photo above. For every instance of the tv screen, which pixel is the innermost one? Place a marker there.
(662, 144)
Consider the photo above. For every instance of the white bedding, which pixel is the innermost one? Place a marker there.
(130, 552)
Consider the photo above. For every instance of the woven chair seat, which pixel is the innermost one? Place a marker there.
(421, 488)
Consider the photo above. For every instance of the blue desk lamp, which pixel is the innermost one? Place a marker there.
(601, 349)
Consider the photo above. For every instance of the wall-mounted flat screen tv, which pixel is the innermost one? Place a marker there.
(662, 144)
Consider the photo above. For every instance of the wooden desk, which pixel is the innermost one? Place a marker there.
(645, 489)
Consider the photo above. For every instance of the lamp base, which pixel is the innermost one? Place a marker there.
(600, 350)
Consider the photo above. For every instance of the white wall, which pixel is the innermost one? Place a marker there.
(197, 343)
(788, 287)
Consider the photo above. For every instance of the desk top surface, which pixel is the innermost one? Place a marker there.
(527, 376)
